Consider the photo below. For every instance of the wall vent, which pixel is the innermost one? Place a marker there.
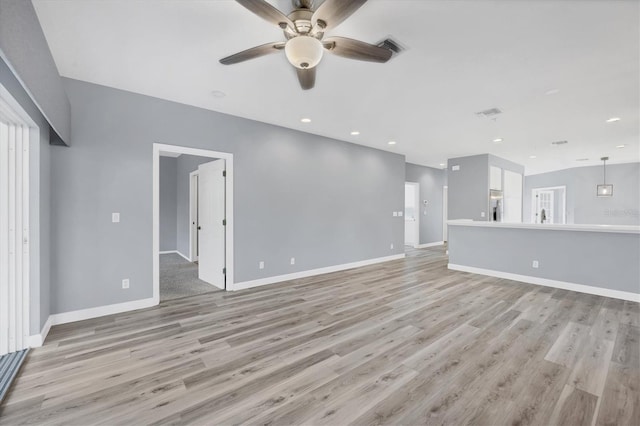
(559, 142)
(491, 113)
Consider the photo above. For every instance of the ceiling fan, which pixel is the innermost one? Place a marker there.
(304, 30)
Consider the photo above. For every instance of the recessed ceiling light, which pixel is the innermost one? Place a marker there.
(620, 146)
(355, 133)
(218, 94)
(305, 120)
(497, 140)
(582, 159)
(533, 157)
(442, 164)
(552, 92)
(392, 142)
(613, 119)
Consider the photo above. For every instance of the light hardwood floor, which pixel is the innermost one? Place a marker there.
(404, 342)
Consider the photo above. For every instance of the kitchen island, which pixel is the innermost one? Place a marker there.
(595, 259)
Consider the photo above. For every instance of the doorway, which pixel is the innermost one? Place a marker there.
(411, 214)
(202, 260)
(549, 205)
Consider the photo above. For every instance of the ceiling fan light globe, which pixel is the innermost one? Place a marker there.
(303, 52)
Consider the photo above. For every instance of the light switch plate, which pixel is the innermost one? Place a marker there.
(400, 213)
(535, 264)
(125, 283)
(395, 214)
(115, 217)
(293, 260)
(261, 264)
(455, 168)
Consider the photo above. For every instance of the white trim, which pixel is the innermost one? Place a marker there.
(581, 288)
(101, 311)
(175, 252)
(37, 340)
(158, 150)
(622, 229)
(437, 243)
(310, 273)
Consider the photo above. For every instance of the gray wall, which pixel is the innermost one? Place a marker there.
(583, 206)
(322, 201)
(431, 182)
(505, 164)
(39, 200)
(186, 165)
(24, 47)
(605, 260)
(468, 191)
(168, 202)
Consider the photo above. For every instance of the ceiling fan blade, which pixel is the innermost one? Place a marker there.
(307, 77)
(332, 12)
(253, 52)
(354, 49)
(267, 12)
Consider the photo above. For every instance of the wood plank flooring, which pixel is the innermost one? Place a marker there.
(404, 342)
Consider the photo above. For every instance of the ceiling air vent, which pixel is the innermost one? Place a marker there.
(392, 45)
(491, 113)
(559, 142)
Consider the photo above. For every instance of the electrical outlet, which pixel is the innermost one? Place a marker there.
(535, 264)
(293, 260)
(391, 246)
(395, 214)
(400, 213)
(482, 214)
(261, 265)
(115, 217)
(125, 283)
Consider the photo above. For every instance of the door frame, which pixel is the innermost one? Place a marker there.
(158, 149)
(193, 213)
(416, 185)
(545, 188)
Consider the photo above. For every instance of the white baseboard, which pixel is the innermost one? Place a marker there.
(36, 340)
(581, 288)
(175, 252)
(55, 319)
(304, 274)
(437, 243)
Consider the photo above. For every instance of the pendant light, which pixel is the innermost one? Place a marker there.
(604, 190)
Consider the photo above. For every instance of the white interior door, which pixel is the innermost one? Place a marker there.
(211, 223)
(193, 216)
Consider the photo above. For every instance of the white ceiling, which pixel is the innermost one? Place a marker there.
(462, 57)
